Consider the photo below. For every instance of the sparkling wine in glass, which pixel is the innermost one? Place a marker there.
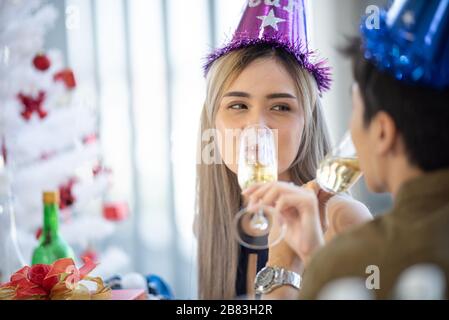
(340, 169)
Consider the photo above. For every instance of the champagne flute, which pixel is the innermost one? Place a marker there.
(340, 169)
(257, 164)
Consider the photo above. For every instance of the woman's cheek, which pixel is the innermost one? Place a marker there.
(286, 152)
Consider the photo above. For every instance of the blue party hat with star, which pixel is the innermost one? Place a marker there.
(411, 41)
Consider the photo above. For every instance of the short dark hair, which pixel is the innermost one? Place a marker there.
(421, 114)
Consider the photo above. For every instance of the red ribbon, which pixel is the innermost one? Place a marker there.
(66, 195)
(38, 281)
(32, 105)
(67, 77)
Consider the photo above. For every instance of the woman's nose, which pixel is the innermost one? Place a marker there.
(257, 117)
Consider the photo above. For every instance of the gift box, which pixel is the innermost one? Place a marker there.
(61, 280)
(129, 294)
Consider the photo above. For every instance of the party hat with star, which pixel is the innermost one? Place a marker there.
(411, 42)
(281, 24)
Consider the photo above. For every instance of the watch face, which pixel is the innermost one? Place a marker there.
(265, 277)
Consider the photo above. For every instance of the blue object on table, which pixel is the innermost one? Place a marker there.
(114, 282)
(158, 287)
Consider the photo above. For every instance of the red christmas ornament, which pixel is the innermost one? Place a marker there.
(66, 196)
(99, 168)
(67, 77)
(115, 211)
(32, 104)
(90, 254)
(91, 138)
(41, 62)
(96, 170)
(38, 233)
(46, 155)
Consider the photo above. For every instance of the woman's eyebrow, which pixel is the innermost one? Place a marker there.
(237, 94)
(280, 95)
(242, 94)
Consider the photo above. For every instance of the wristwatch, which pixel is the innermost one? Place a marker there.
(270, 278)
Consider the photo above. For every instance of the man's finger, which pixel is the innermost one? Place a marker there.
(256, 195)
(252, 188)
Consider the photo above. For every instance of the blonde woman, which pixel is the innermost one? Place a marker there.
(262, 78)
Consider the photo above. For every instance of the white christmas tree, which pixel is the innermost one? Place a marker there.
(48, 134)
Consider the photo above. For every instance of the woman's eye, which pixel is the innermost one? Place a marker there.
(281, 108)
(238, 107)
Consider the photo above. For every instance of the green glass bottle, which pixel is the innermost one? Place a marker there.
(51, 245)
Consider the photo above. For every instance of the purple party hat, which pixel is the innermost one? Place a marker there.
(281, 24)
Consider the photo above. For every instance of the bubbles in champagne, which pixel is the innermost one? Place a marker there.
(250, 174)
(337, 175)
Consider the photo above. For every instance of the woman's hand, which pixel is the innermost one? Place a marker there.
(299, 208)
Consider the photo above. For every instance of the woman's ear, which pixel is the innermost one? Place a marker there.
(383, 133)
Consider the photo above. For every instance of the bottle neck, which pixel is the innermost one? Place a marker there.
(51, 219)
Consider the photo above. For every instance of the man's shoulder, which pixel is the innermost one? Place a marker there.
(348, 255)
(357, 241)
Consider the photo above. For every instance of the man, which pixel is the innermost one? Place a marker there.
(402, 140)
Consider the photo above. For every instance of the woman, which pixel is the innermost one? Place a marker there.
(268, 82)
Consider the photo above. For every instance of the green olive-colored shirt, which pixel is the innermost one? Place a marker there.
(415, 231)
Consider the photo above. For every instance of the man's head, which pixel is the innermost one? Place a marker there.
(396, 126)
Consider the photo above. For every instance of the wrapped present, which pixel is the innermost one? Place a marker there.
(129, 294)
(59, 281)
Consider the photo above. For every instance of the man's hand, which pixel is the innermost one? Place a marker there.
(298, 208)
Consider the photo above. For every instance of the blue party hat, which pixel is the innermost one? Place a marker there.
(411, 41)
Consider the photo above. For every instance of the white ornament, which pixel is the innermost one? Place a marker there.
(346, 289)
(421, 282)
(134, 280)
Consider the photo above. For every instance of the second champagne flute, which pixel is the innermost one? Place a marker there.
(340, 169)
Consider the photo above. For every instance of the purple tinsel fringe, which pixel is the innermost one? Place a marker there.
(320, 71)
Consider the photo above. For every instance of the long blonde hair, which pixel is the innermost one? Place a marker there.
(218, 192)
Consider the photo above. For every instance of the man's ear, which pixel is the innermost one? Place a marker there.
(383, 133)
